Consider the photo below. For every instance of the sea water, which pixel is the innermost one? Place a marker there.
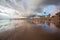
(4, 22)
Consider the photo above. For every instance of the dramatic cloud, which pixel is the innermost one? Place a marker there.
(29, 7)
(55, 10)
(49, 2)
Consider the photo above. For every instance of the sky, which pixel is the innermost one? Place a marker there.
(32, 7)
(8, 12)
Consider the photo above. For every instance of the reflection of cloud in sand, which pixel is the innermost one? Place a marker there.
(11, 25)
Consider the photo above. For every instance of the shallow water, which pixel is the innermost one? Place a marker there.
(12, 24)
(4, 22)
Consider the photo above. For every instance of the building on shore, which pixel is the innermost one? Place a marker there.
(40, 19)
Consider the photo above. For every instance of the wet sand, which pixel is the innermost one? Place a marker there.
(23, 30)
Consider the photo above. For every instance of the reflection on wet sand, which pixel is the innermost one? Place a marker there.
(25, 30)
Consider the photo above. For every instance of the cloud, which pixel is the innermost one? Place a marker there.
(29, 7)
(48, 2)
(54, 11)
